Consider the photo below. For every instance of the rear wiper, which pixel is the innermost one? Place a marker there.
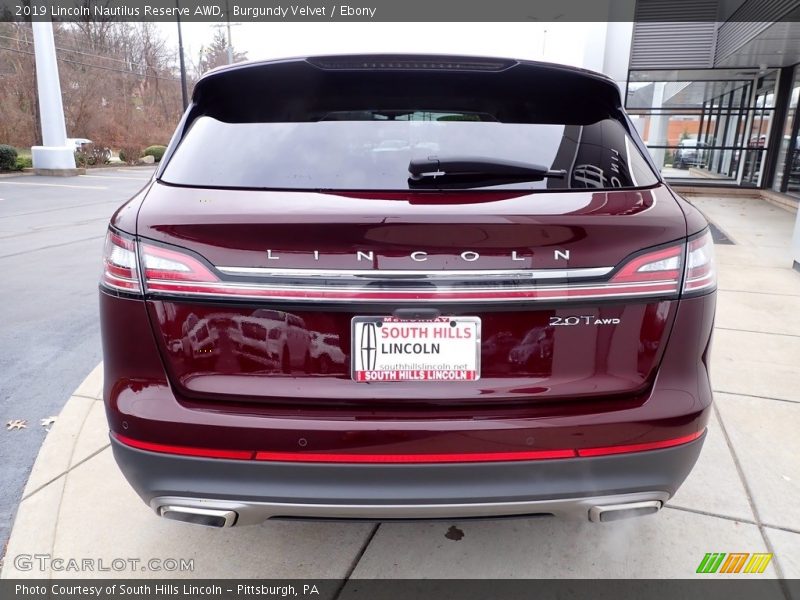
(467, 172)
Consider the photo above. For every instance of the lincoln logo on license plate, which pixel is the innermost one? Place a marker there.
(392, 349)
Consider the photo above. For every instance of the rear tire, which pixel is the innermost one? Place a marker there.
(325, 364)
(286, 362)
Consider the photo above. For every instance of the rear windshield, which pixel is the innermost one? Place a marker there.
(296, 126)
(375, 154)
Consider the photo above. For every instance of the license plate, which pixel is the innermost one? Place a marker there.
(392, 349)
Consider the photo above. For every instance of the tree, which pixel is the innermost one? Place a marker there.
(18, 99)
(119, 83)
(216, 53)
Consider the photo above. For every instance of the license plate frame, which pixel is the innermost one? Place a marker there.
(444, 335)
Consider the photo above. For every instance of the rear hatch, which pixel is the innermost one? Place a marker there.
(292, 256)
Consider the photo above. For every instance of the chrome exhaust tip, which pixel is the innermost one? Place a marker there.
(199, 516)
(615, 512)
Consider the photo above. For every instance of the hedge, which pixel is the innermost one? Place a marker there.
(155, 151)
(8, 157)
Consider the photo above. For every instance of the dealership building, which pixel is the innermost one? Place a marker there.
(715, 95)
(715, 98)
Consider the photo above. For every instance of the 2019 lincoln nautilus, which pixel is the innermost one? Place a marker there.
(401, 287)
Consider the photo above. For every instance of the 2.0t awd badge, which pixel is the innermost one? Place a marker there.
(583, 320)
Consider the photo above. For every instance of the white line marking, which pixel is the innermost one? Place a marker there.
(77, 187)
(117, 177)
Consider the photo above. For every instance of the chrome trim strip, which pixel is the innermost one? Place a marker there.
(524, 274)
(251, 512)
(322, 294)
(318, 300)
(224, 285)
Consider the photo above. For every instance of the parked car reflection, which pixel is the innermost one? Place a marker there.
(327, 355)
(266, 340)
(499, 344)
(273, 338)
(199, 337)
(534, 354)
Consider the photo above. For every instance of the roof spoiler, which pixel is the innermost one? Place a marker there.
(306, 89)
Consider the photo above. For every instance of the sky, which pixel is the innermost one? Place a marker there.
(554, 42)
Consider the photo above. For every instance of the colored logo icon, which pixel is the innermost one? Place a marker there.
(734, 562)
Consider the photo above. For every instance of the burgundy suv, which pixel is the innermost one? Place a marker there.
(395, 286)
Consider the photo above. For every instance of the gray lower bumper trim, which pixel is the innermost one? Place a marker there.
(257, 512)
(256, 490)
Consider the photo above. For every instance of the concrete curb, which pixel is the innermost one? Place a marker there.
(4, 174)
(60, 172)
(37, 516)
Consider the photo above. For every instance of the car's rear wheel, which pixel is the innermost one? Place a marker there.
(324, 364)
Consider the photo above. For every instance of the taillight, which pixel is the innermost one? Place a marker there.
(168, 270)
(701, 273)
(161, 264)
(657, 271)
(120, 271)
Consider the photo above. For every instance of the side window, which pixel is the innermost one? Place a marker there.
(600, 156)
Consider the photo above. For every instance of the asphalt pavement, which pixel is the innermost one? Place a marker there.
(51, 239)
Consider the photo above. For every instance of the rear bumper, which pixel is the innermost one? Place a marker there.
(142, 405)
(251, 491)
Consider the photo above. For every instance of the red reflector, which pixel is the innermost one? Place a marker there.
(414, 458)
(184, 450)
(603, 451)
(402, 458)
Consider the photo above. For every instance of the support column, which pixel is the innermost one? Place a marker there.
(796, 243)
(607, 46)
(659, 125)
(54, 157)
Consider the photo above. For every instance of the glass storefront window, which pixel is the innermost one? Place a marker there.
(787, 174)
(706, 124)
(757, 143)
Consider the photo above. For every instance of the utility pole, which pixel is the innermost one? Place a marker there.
(228, 25)
(184, 90)
(54, 156)
(230, 42)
